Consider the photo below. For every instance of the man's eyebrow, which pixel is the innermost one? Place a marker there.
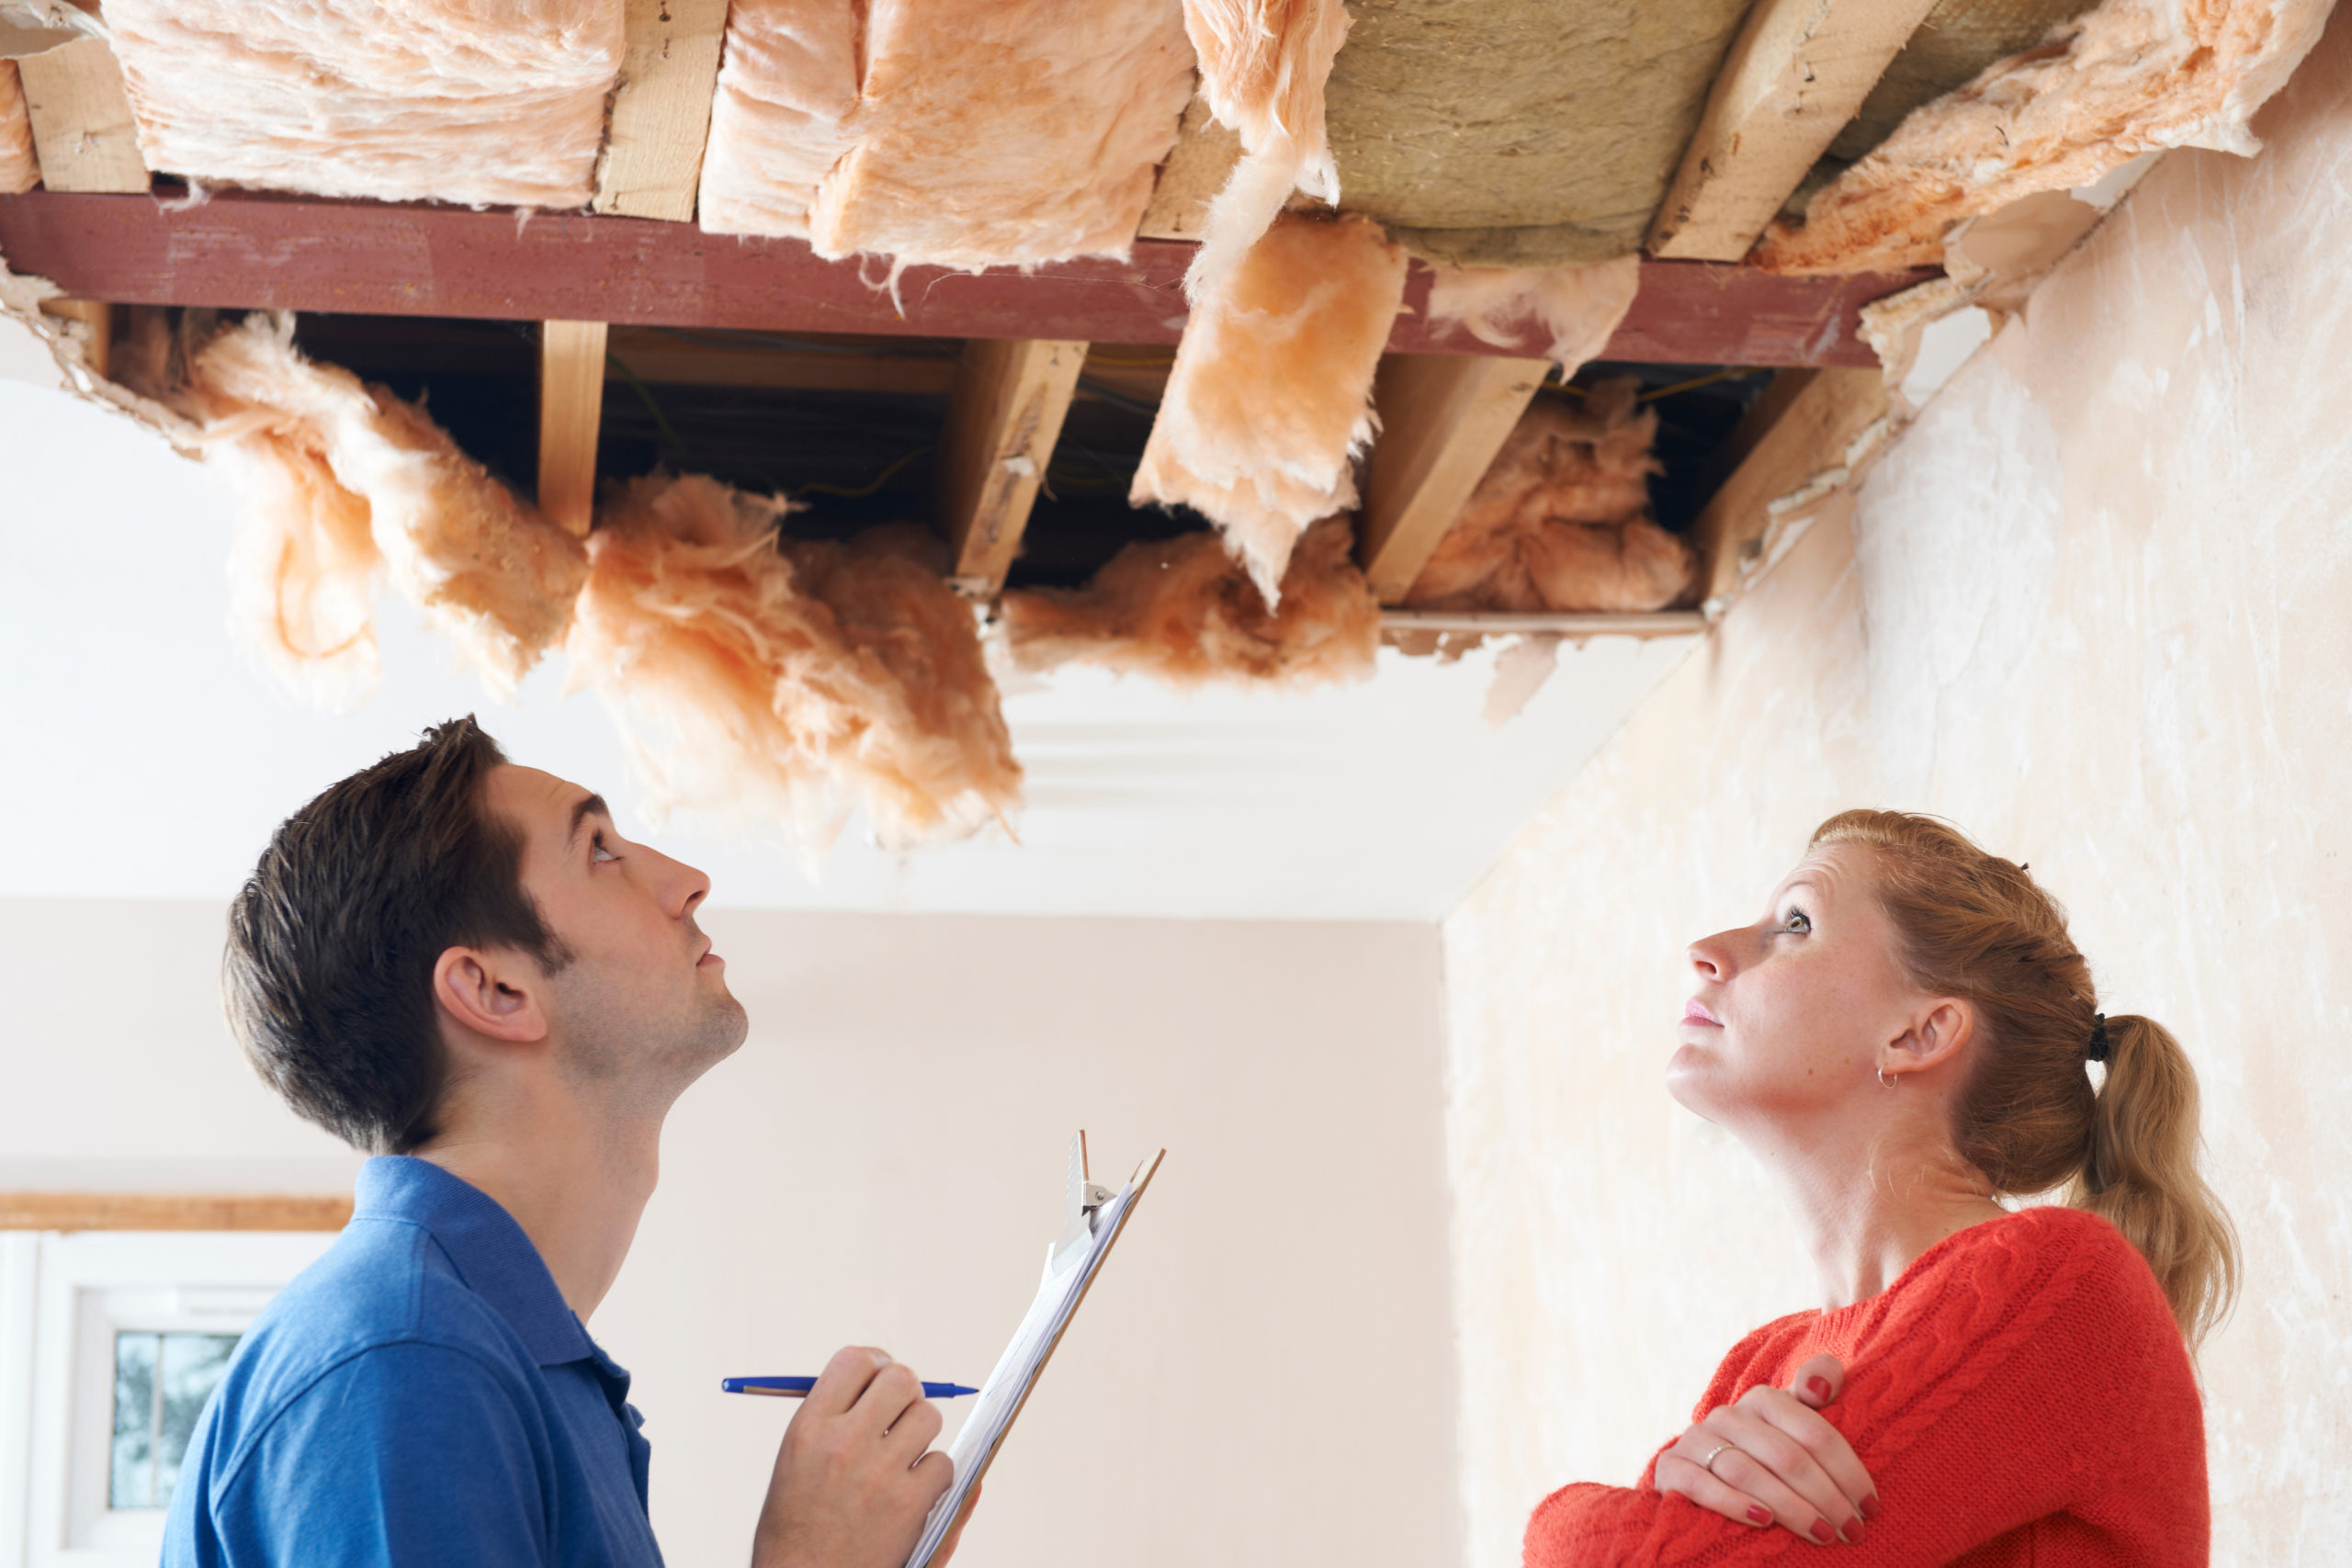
(587, 806)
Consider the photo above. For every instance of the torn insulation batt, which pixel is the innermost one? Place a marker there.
(403, 100)
(334, 479)
(1270, 400)
(1559, 521)
(1263, 64)
(984, 133)
(777, 688)
(1181, 611)
(2129, 77)
(19, 169)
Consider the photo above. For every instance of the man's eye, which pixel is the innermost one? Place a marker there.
(599, 852)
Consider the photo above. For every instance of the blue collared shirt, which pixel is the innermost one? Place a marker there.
(420, 1395)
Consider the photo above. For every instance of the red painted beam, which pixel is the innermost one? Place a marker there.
(243, 251)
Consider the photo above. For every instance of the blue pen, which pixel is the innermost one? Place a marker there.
(797, 1388)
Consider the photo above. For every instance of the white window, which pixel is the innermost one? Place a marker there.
(110, 1342)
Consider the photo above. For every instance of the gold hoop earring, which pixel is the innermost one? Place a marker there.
(1884, 1081)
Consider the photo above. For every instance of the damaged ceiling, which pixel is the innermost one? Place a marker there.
(793, 371)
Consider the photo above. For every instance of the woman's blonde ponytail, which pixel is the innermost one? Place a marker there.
(1977, 927)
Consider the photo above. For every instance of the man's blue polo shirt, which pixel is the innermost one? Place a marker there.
(419, 1396)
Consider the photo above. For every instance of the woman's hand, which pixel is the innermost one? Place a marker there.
(1776, 1460)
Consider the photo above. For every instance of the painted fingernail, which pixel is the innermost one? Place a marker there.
(1762, 1515)
(1822, 1532)
(1820, 1386)
(1870, 1506)
(1853, 1531)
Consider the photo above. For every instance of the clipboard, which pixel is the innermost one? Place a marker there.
(1092, 1218)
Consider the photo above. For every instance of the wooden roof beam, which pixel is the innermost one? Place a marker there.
(81, 119)
(1804, 437)
(1443, 419)
(1794, 76)
(1003, 419)
(246, 251)
(652, 163)
(571, 411)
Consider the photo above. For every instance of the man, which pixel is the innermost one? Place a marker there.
(458, 964)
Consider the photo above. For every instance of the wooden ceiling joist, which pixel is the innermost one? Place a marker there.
(572, 411)
(81, 119)
(240, 251)
(659, 358)
(1794, 76)
(660, 116)
(1443, 419)
(1802, 433)
(1003, 419)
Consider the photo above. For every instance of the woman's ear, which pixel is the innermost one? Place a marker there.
(1938, 1032)
(490, 992)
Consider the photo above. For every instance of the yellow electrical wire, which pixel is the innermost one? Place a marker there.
(880, 479)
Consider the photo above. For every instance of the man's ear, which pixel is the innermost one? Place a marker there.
(1938, 1032)
(493, 992)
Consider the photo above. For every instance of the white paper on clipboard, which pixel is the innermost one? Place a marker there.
(1070, 1267)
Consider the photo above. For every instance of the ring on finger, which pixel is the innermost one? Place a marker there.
(1708, 1464)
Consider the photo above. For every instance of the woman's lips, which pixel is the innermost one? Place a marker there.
(1695, 1012)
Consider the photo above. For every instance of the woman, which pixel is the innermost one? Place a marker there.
(1907, 1037)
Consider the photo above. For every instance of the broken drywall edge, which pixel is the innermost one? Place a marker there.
(68, 341)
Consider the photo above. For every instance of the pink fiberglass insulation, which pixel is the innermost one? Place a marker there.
(1006, 132)
(19, 169)
(1578, 306)
(779, 687)
(1270, 396)
(1264, 65)
(1559, 521)
(405, 100)
(2129, 77)
(1181, 611)
(981, 132)
(335, 479)
(778, 124)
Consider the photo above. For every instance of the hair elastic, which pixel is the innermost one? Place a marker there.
(2099, 1037)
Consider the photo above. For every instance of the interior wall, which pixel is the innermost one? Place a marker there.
(2091, 607)
(1260, 1375)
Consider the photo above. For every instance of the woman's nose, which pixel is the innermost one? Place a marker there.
(1711, 956)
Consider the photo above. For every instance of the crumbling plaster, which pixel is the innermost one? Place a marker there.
(2091, 607)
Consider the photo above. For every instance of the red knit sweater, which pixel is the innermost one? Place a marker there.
(2021, 1396)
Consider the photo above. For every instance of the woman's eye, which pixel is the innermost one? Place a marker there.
(1797, 921)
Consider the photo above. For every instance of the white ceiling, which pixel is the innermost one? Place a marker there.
(140, 758)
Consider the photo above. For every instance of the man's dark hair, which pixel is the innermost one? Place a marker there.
(332, 941)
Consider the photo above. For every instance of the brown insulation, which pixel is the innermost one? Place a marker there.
(779, 689)
(1181, 611)
(19, 169)
(1579, 307)
(1270, 400)
(1521, 132)
(985, 132)
(336, 478)
(405, 100)
(2133, 77)
(1263, 63)
(1560, 521)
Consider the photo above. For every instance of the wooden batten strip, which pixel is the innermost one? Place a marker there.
(170, 1211)
(1003, 419)
(1795, 76)
(1802, 436)
(1443, 419)
(572, 411)
(652, 158)
(83, 133)
(98, 323)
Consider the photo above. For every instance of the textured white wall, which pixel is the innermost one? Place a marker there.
(1260, 1377)
(2093, 608)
